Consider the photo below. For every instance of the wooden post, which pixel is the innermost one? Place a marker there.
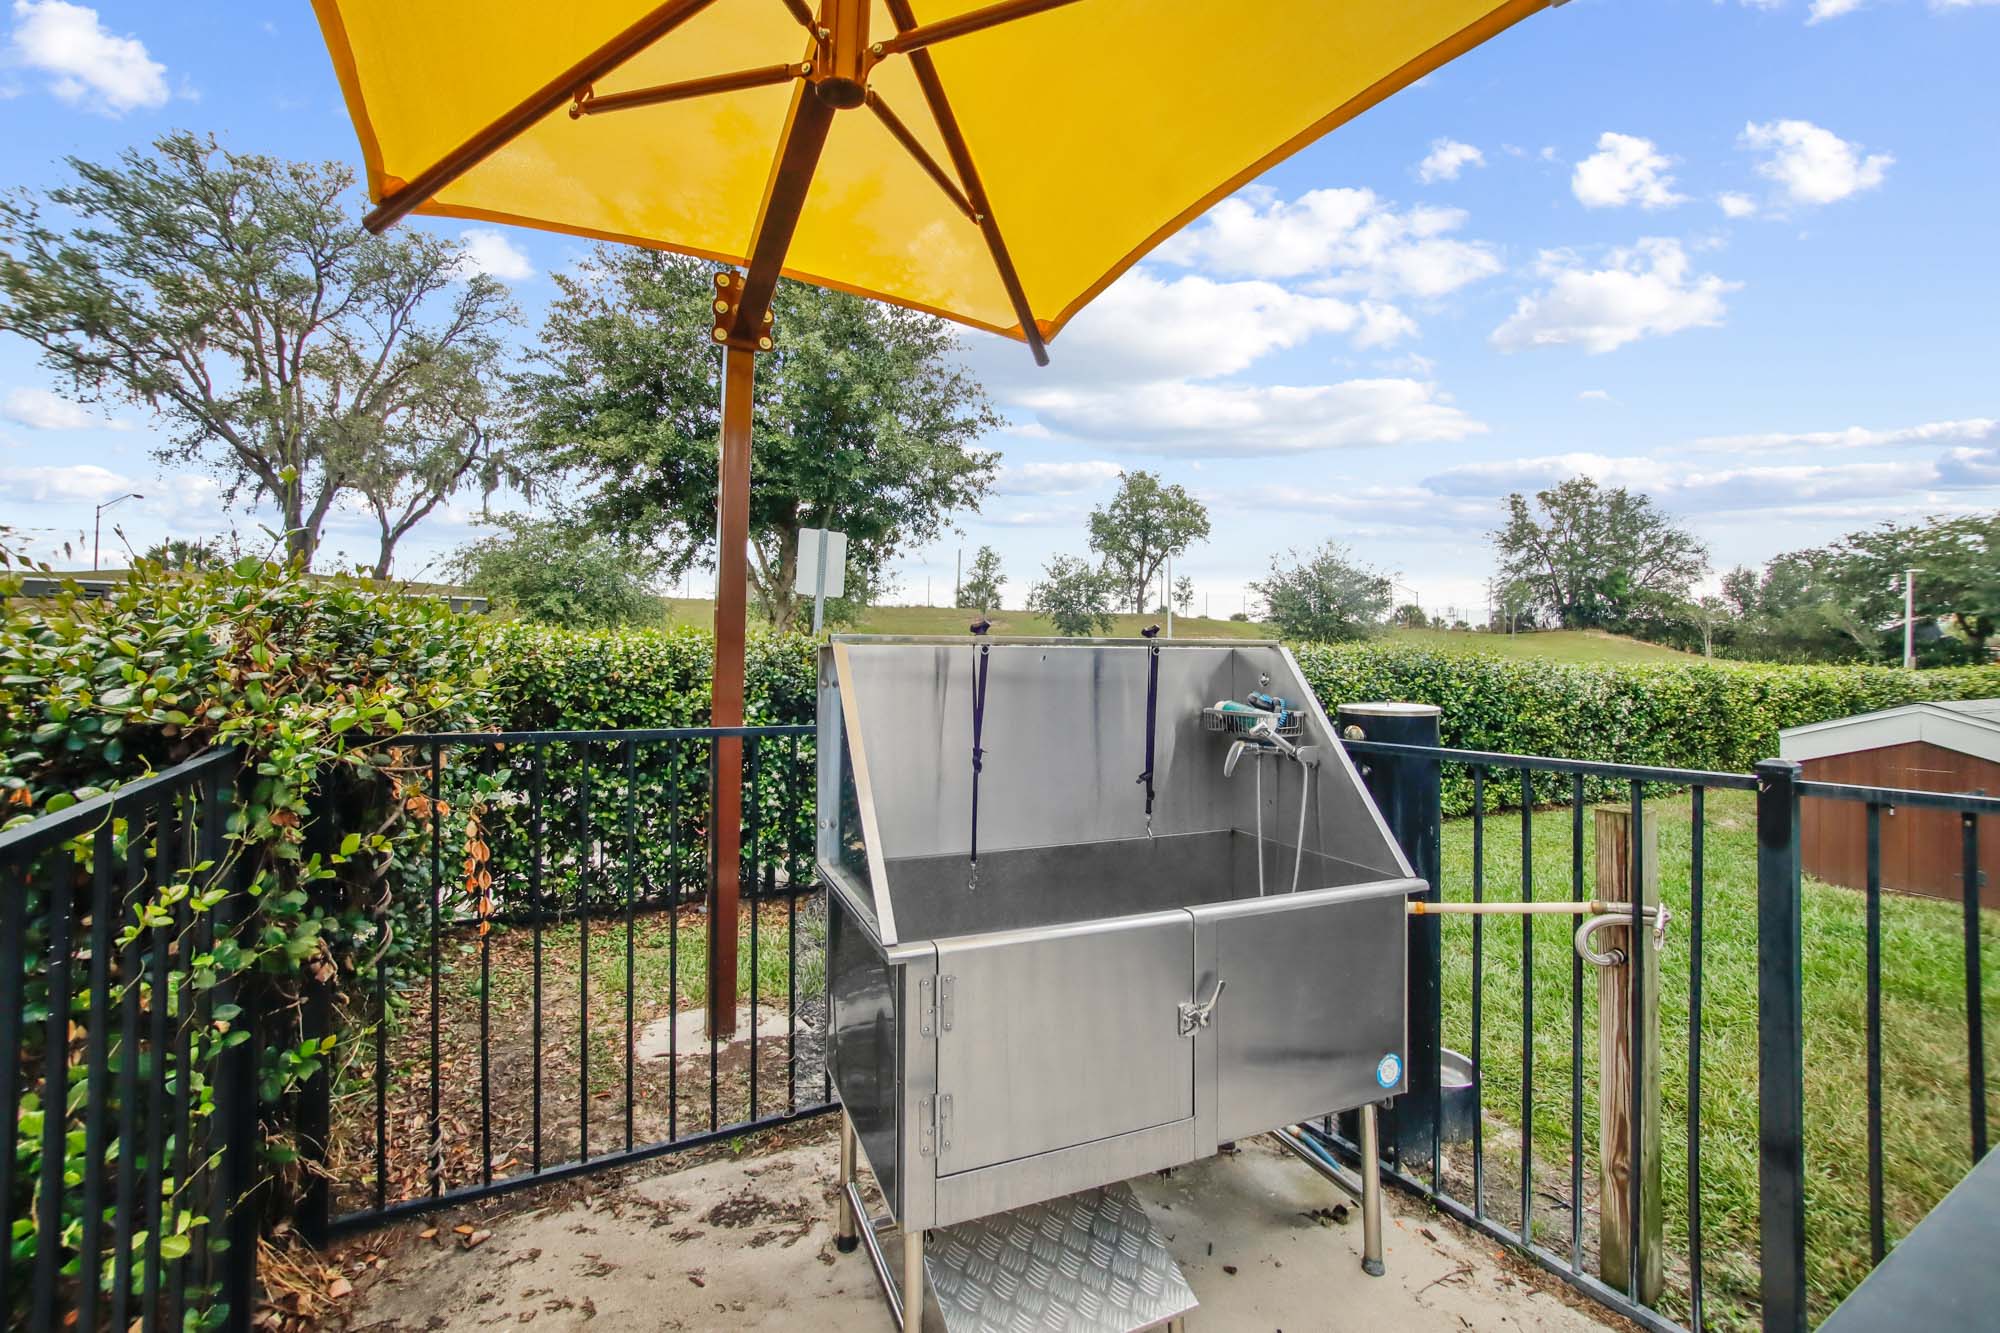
(1628, 1155)
(739, 370)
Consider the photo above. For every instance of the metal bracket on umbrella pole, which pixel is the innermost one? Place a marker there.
(728, 294)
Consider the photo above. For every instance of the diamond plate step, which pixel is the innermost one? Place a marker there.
(1089, 1263)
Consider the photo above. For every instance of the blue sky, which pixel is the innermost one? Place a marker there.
(1738, 255)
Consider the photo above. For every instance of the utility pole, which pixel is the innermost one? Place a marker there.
(1910, 619)
(1170, 596)
(958, 578)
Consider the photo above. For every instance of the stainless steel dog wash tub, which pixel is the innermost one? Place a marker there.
(1097, 908)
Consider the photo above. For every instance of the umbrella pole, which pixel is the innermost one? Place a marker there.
(739, 370)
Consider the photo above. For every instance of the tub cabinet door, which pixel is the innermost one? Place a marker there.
(1313, 1003)
(1055, 1038)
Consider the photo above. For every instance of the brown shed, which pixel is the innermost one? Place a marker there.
(1950, 747)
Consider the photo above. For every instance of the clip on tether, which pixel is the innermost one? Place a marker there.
(978, 751)
(1152, 717)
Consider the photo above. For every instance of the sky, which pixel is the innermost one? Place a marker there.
(1737, 254)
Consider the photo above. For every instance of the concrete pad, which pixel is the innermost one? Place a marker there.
(747, 1244)
(687, 1032)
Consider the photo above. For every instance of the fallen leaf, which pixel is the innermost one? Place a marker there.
(1229, 1269)
(427, 1233)
(339, 1287)
(463, 1229)
(477, 1239)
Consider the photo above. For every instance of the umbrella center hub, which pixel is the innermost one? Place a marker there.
(840, 73)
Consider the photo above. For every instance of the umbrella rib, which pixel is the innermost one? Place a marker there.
(915, 37)
(925, 69)
(591, 103)
(803, 13)
(932, 167)
(657, 23)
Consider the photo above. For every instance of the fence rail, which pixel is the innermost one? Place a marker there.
(1783, 1295)
(566, 941)
(548, 1023)
(134, 1124)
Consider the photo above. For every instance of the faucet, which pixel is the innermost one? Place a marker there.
(1263, 735)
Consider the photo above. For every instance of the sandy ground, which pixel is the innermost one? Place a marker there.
(746, 1243)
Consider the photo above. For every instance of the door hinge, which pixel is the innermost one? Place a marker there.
(926, 1126)
(927, 1007)
(944, 1123)
(947, 996)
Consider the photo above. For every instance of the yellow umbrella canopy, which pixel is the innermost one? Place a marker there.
(1091, 130)
(998, 164)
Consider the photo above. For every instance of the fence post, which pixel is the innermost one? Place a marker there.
(236, 1116)
(1780, 1050)
(1408, 791)
(315, 1122)
(1629, 1154)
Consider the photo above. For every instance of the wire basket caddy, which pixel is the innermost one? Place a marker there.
(1236, 722)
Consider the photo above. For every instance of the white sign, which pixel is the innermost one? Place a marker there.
(821, 547)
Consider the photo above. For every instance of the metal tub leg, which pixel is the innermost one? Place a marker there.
(1371, 1194)
(846, 1234)
(913, 1281)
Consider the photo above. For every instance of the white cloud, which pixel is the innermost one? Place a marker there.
(1969, 430)
(1648, 290)
(494, 253)
(1595, 396)
(1055, 478)
(87, 64)
(38, 409)
(1822, 10)
(1145, 327)
(1349, 239)
(78, 483)
(1811, 165)
(1447, 158)
(1625, 169)
(1679, 485)
(1236, 421)
(1735, 205)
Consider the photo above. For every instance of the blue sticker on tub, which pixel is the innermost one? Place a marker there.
(1389, 1070)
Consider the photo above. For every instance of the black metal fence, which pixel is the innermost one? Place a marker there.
(1780, 1264)
(553, 1026)
(557, 1028)
(133, 1114)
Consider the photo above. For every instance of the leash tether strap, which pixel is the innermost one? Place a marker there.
(978, 752)
(1152, 717)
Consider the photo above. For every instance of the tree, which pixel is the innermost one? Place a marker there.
(194, 553)
(234, 295)
(1324, 595)
(1184, 595)
(1596, 557)
(864, 418)
(1409, 616)
(1708, 616)
(552, 571)
(1796, 611)
(1144, 524)
(981, 589)
(1958, 582)
(418, 463)
(1075, 596)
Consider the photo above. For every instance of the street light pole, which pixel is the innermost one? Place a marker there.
(1910, 619)
(97, 528)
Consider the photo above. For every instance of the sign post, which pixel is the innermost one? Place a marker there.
(822, 568)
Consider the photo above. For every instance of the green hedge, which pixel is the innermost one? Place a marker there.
(1722, 716)
(547, 679)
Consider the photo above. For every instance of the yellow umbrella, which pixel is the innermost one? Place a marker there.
(1008, 160)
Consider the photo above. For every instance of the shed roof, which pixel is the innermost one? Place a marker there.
(1968, 726)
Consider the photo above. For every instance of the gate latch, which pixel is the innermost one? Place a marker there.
(1194, 1015)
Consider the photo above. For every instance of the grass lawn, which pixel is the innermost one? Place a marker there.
(1555, 645)
(1925, 1111)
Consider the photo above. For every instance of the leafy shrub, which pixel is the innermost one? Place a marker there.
(309, 680)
